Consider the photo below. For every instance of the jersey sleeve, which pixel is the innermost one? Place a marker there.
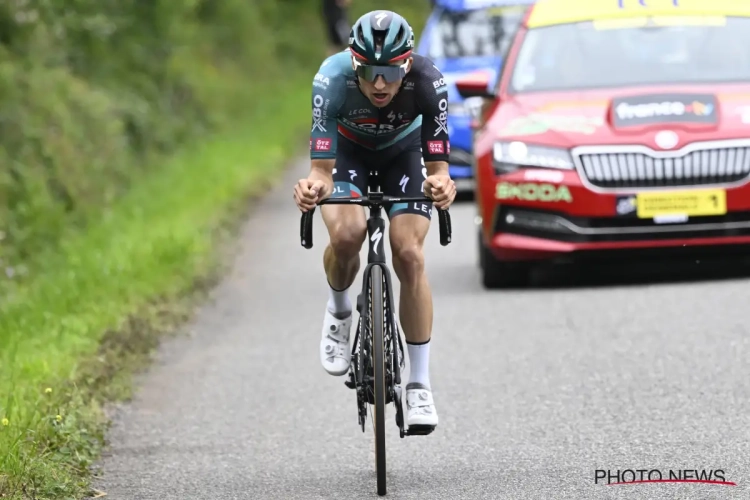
(328, 96)
(432, 95)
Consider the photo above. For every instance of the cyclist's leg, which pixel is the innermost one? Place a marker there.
(409, 225)
(347, 229)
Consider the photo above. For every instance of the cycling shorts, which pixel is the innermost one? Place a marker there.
(401, 172)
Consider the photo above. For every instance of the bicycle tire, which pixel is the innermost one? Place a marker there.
(377, 316)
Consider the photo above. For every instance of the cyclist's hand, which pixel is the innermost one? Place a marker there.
(442, 190)
(308, 192)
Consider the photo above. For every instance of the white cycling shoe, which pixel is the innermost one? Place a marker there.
(335, 352)
(420, 407)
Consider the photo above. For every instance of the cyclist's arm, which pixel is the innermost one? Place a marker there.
(436, 168)
(433, 103)
(322, 170)
(328, 97)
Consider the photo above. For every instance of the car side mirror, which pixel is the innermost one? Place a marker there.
(475, 85)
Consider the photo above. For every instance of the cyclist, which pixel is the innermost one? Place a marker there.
(377, 105)
(335, 18)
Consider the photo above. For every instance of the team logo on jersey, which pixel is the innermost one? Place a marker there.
(321, 81)
(435, 147)
(442, 118)
(318, 113)
(322, 144)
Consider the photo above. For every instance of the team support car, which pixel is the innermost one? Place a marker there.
(463, 36)
(617, 127)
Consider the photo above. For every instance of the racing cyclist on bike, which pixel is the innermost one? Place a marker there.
(377, 105)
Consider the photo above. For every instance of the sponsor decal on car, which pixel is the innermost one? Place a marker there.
(543, 175)
(673, 206)
(532, 192)
(663, 108)
(540, 123)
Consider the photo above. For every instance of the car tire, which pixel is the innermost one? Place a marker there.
(498, 274)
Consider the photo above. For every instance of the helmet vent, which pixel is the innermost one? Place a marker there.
(400, 36)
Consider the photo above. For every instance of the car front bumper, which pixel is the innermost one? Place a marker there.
(543, 215)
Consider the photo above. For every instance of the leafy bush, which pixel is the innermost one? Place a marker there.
(91, 89)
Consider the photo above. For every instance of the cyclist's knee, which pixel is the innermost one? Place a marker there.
(347, 230)
(408, 258)
(407, 234)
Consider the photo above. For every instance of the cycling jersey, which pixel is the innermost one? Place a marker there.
(340, 109)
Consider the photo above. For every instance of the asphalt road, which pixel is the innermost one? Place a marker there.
(535, 389)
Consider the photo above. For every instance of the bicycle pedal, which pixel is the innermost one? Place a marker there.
(350, 384)
(419, 430)
(360, 303)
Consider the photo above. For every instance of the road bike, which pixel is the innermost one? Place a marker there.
(377, 351)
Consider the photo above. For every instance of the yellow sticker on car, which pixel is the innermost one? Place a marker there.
(551, 12)
(694, 203)
(506, 9)
(661, 21)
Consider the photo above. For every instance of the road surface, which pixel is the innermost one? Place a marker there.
(535, 389)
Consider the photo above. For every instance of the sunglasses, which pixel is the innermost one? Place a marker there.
(389, 73)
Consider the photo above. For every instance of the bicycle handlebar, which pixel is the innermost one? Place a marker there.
(306, 223)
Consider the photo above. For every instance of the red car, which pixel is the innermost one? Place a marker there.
(615, 127)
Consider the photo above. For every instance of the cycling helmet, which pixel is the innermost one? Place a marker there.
(381, 37)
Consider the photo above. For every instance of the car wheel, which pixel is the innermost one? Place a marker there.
(498, 274)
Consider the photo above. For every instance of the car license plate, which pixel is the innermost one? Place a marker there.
(694, 203)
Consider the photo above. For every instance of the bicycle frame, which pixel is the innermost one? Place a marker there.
(375, 200)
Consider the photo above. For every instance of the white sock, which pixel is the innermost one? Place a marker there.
(338, 303)
(419, 361)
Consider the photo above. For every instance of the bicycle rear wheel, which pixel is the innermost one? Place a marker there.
(377, 316)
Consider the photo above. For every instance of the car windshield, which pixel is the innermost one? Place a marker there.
(484, 32)
(633, 52)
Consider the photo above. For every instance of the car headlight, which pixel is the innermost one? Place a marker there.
(510, 156)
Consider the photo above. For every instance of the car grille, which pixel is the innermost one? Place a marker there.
(635, 168)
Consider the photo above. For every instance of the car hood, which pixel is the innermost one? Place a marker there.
(624, 116)
(454, 69)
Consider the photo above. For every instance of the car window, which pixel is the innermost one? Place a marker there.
(484, 32)
(633, 52)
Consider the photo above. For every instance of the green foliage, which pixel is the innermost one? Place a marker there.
(91, 89)
(130, 131)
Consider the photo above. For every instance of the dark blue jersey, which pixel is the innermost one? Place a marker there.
(340, 109)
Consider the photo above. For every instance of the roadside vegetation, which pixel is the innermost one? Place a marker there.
(132, 135)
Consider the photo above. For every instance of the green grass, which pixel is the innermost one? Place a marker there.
(71, 335)
(88, 313)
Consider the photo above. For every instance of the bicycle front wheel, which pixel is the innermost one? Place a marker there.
(377, 324)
